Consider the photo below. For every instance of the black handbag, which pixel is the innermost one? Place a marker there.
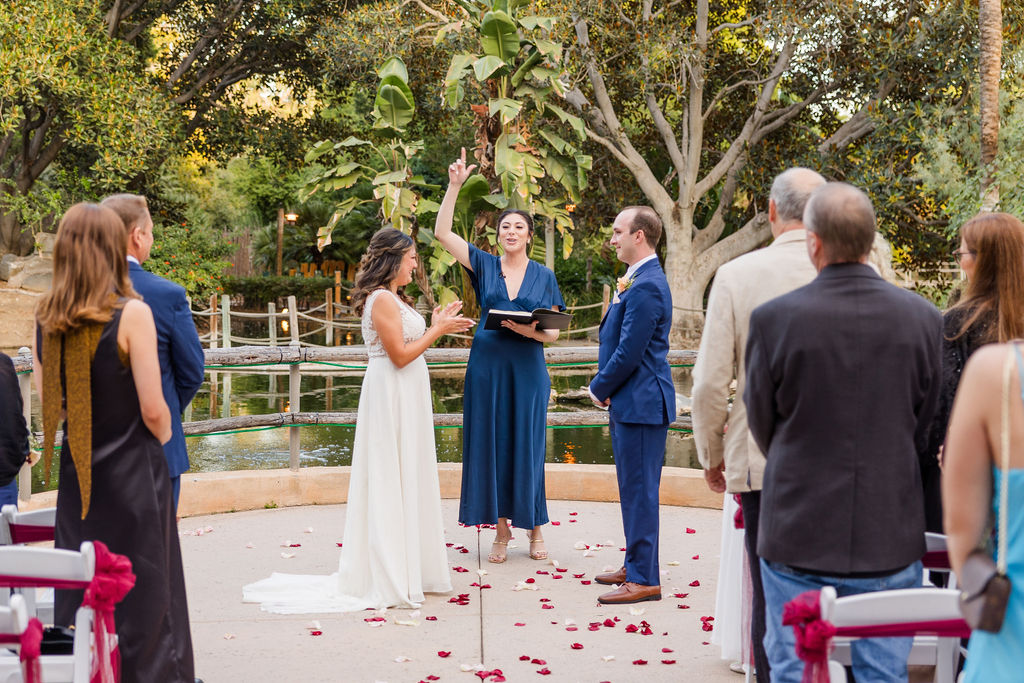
(984, 585)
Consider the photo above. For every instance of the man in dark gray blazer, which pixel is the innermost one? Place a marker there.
(842, 383)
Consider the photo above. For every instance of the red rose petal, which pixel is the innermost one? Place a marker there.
(695, 557)
(556, 576)
(444, 653)
(632, 628)
(667, 650)
(338, 544)
(572, 521)
(316, 633)
(538, 662)
(585, 583)
(593, 628)
(541, 571)
(622, 549)
(694, 583)
(704, 642)
(579, 576)
(555, 523)
(463, 550)
(668, 661)
(547, 607)
(432, 677)
(571, 628)
(707, 626)
(530, 580)
(577, 646)
(639, 662)
(430, 618)
(681, 606)
(561, 569)
(679, 595)
(519, 623)
(545, 671)
(524, 658)
(544, 600)
(573, 514)
(690, 531)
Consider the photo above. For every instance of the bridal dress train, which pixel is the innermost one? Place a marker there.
(393, 548)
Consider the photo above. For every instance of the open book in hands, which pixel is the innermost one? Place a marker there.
(545, 317)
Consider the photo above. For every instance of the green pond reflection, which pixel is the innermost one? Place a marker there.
(320, 445)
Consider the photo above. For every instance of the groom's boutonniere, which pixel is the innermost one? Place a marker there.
(623, 283)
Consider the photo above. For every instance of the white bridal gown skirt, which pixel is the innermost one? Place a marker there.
(732, 597)
(393, 548)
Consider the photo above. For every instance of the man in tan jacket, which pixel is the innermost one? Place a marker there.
(731, 461)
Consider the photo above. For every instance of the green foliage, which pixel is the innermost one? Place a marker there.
(66, 89)
(518, 70)
(949, 165)
(395, 188)
(194, 258)
(259, 291)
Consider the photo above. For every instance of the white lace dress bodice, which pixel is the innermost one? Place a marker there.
(413, 324)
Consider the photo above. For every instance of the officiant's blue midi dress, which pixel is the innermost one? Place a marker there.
(505, 404)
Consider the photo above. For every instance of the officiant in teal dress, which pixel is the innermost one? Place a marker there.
(507, 386)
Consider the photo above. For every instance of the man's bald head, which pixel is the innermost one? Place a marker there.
(842, 218)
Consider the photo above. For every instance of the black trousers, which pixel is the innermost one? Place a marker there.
(750, 503)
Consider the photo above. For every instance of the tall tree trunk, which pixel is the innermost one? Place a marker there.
(990, 23)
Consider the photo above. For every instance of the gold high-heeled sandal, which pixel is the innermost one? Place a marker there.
(494, 557)
(538, 554)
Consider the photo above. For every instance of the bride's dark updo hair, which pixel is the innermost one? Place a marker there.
(379, 266)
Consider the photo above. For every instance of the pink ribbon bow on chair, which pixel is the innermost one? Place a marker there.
(112, 581)
(813, 635)
(30, 648)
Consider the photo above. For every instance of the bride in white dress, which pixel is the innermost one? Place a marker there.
(393, 548)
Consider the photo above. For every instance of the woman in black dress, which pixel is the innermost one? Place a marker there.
(991, 255)
(96, 359)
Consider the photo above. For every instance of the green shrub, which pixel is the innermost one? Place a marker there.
(193, 257)
(259, 291)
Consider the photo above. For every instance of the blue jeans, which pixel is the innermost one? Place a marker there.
(9, 493)
(875, 660)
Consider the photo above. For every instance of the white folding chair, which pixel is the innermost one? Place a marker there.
(73, 668)
(904, 606)
(16, 528)
(936, 558)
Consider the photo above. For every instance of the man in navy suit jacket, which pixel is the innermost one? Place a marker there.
(181, 354)
(635, 384)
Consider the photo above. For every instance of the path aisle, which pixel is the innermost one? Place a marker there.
(553, 620)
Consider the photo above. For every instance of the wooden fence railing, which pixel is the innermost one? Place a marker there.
(333, 319)
(294, 357)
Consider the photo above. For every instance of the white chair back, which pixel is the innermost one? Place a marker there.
(10, 515)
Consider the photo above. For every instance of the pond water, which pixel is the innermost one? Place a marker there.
(252, 393)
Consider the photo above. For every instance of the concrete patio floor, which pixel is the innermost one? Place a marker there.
(550, 621)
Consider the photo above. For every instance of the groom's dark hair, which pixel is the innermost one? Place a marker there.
(645, 218)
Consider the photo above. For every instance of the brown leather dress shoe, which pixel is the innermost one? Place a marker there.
(612, 578)
(629, 593)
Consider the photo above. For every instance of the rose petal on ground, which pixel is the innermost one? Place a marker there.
(579, 576)
(572, 628)
(579, 545)
(444, 653)
(432, 677)
(430, 618)
(308, 530)
(339, 544)
(683, 606)
(287, 556)
(538, 662)
(530, 580)
(666, 650)
(406, 622)
(639, 662)
(229, 636)
(673, 563)
(547, 607)
(608, 658)
(577, 646)
(481, 573)
(402, 658)
(690, 531)
(519, 623)
(561, 569)
(695, 557)
(250, 544)
(555, 523)
(632, 628)
(316, 632)
(636, 611)
(524, 658)
(694, 583)
(466, 667)
(573, 514)
(679, 595)
(585, 583)
(545, 671)
(668, 661)
(609, 623)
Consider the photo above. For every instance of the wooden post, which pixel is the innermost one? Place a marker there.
(293, 321)
(329, 316)
(213, 345)
(549, 243)
(272, 327)
(293, 386)
(25, 384)
(280, 239)
(606, 297)
(337, 286)
(225, 314)
(330, 393)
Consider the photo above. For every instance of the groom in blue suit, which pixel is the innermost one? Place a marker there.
(178, 347)
(635, 384)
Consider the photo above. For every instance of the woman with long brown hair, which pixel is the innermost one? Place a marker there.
(96, 361)
(991, 256)
(393, 547)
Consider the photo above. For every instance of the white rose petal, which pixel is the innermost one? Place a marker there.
(636, 611)
(580, 545)
(413, 614)
(250, 544)
(314, 626)
(673, 563)
(229, 636)
(406, 622)
(308, 530)
(481, 573)
(287, 556)
(608, 658)
(402, 658)
(570, 621)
